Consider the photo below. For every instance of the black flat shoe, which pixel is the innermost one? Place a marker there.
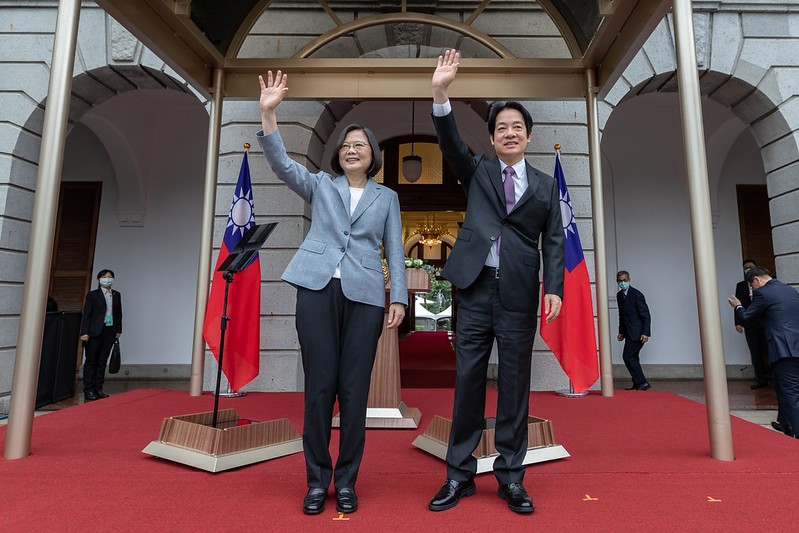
(346, 500)
(314, 502)
(90, 396)
(518, 499)
(449, 494)
(644, 386)
(100, 394)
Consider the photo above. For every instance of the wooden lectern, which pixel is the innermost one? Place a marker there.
(385, 408)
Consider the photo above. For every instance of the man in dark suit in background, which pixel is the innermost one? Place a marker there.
(754, 332)
(777, 305)
(100, 325)
(634, 328)
(495, 264)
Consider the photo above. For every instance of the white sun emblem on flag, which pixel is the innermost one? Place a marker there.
(566, 214)
(242, 213)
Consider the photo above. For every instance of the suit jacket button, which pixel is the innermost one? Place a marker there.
(346, 232)
(343, 249)
(493, 238)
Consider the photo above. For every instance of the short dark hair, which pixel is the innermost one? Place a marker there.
(105, 271)
(622, 273)
(757, 271)
(749, 261)
(496, 107)
(377, 159)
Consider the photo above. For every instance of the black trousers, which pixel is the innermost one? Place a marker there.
(630, 355)
(481, 320)
(786, 372)
(97, 351)
(338, 339)
(758, 349)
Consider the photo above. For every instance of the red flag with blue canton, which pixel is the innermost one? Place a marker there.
(571, 336)
(241, 359)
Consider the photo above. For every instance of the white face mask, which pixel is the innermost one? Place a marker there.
(106, 282)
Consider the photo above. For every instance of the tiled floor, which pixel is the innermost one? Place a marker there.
(758, 406)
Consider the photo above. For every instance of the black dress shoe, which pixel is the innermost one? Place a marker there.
(314, 502)
(776, 425)
(346, 500)
(100, 394)
(518, 499)
(449, 494)
(644, 386)
(90, 396)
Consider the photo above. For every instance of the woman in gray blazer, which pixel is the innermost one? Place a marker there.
(340, 291)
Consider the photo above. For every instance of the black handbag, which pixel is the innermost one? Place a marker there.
(115, 360)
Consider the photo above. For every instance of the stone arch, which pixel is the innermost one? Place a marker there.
(89, 90)
(733, 74)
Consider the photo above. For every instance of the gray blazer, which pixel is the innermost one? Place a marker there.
(336, 237)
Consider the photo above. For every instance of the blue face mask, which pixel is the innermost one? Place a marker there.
(624, 285)
(106, 282)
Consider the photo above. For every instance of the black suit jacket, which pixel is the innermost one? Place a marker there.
(777, 304)
(535, 216)
(742, 293)
(634, 317)
(93, 319)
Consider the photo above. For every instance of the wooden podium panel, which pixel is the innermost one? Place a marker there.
(385, 408)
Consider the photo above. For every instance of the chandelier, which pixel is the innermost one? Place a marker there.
(430, 231)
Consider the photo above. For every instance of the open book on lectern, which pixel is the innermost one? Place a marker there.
(247, 248)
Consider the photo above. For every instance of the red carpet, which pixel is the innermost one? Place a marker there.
(427, 360)
(638, 461)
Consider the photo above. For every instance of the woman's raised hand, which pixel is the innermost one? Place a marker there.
(272, 91)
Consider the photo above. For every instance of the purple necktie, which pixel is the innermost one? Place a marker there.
(510, 192)
(510, 196)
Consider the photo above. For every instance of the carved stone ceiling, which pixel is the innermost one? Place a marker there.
(373, 49)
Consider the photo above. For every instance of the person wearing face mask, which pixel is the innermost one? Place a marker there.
(341, 297)
(754, 332)
(101, 324)
(634, 328)
(777, 305)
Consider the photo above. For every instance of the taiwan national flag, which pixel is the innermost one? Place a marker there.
(241, 358)
(571, 336)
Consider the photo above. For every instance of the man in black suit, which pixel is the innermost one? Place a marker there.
(634, 328)
(777, 305)
(495, 264)
(754, 332)
(100, 325)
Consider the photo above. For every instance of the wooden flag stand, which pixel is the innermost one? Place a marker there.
(220, 440)
(234, 442)
(385, 408)
(540, 440)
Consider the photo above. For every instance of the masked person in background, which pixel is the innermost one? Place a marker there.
(634, 328)
(754, 332)
(101, 324)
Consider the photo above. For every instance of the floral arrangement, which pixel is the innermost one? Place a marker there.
(415, 262)
(412, 262)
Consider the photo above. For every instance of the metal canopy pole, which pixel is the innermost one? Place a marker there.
(600, 255)
(45, 207)
(718, 409)
(206, 236)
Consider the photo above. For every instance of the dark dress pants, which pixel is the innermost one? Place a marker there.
(758, 349)
(630, 355)
(338, 339)
(786, 372)
(97, 351)
(481, 319)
